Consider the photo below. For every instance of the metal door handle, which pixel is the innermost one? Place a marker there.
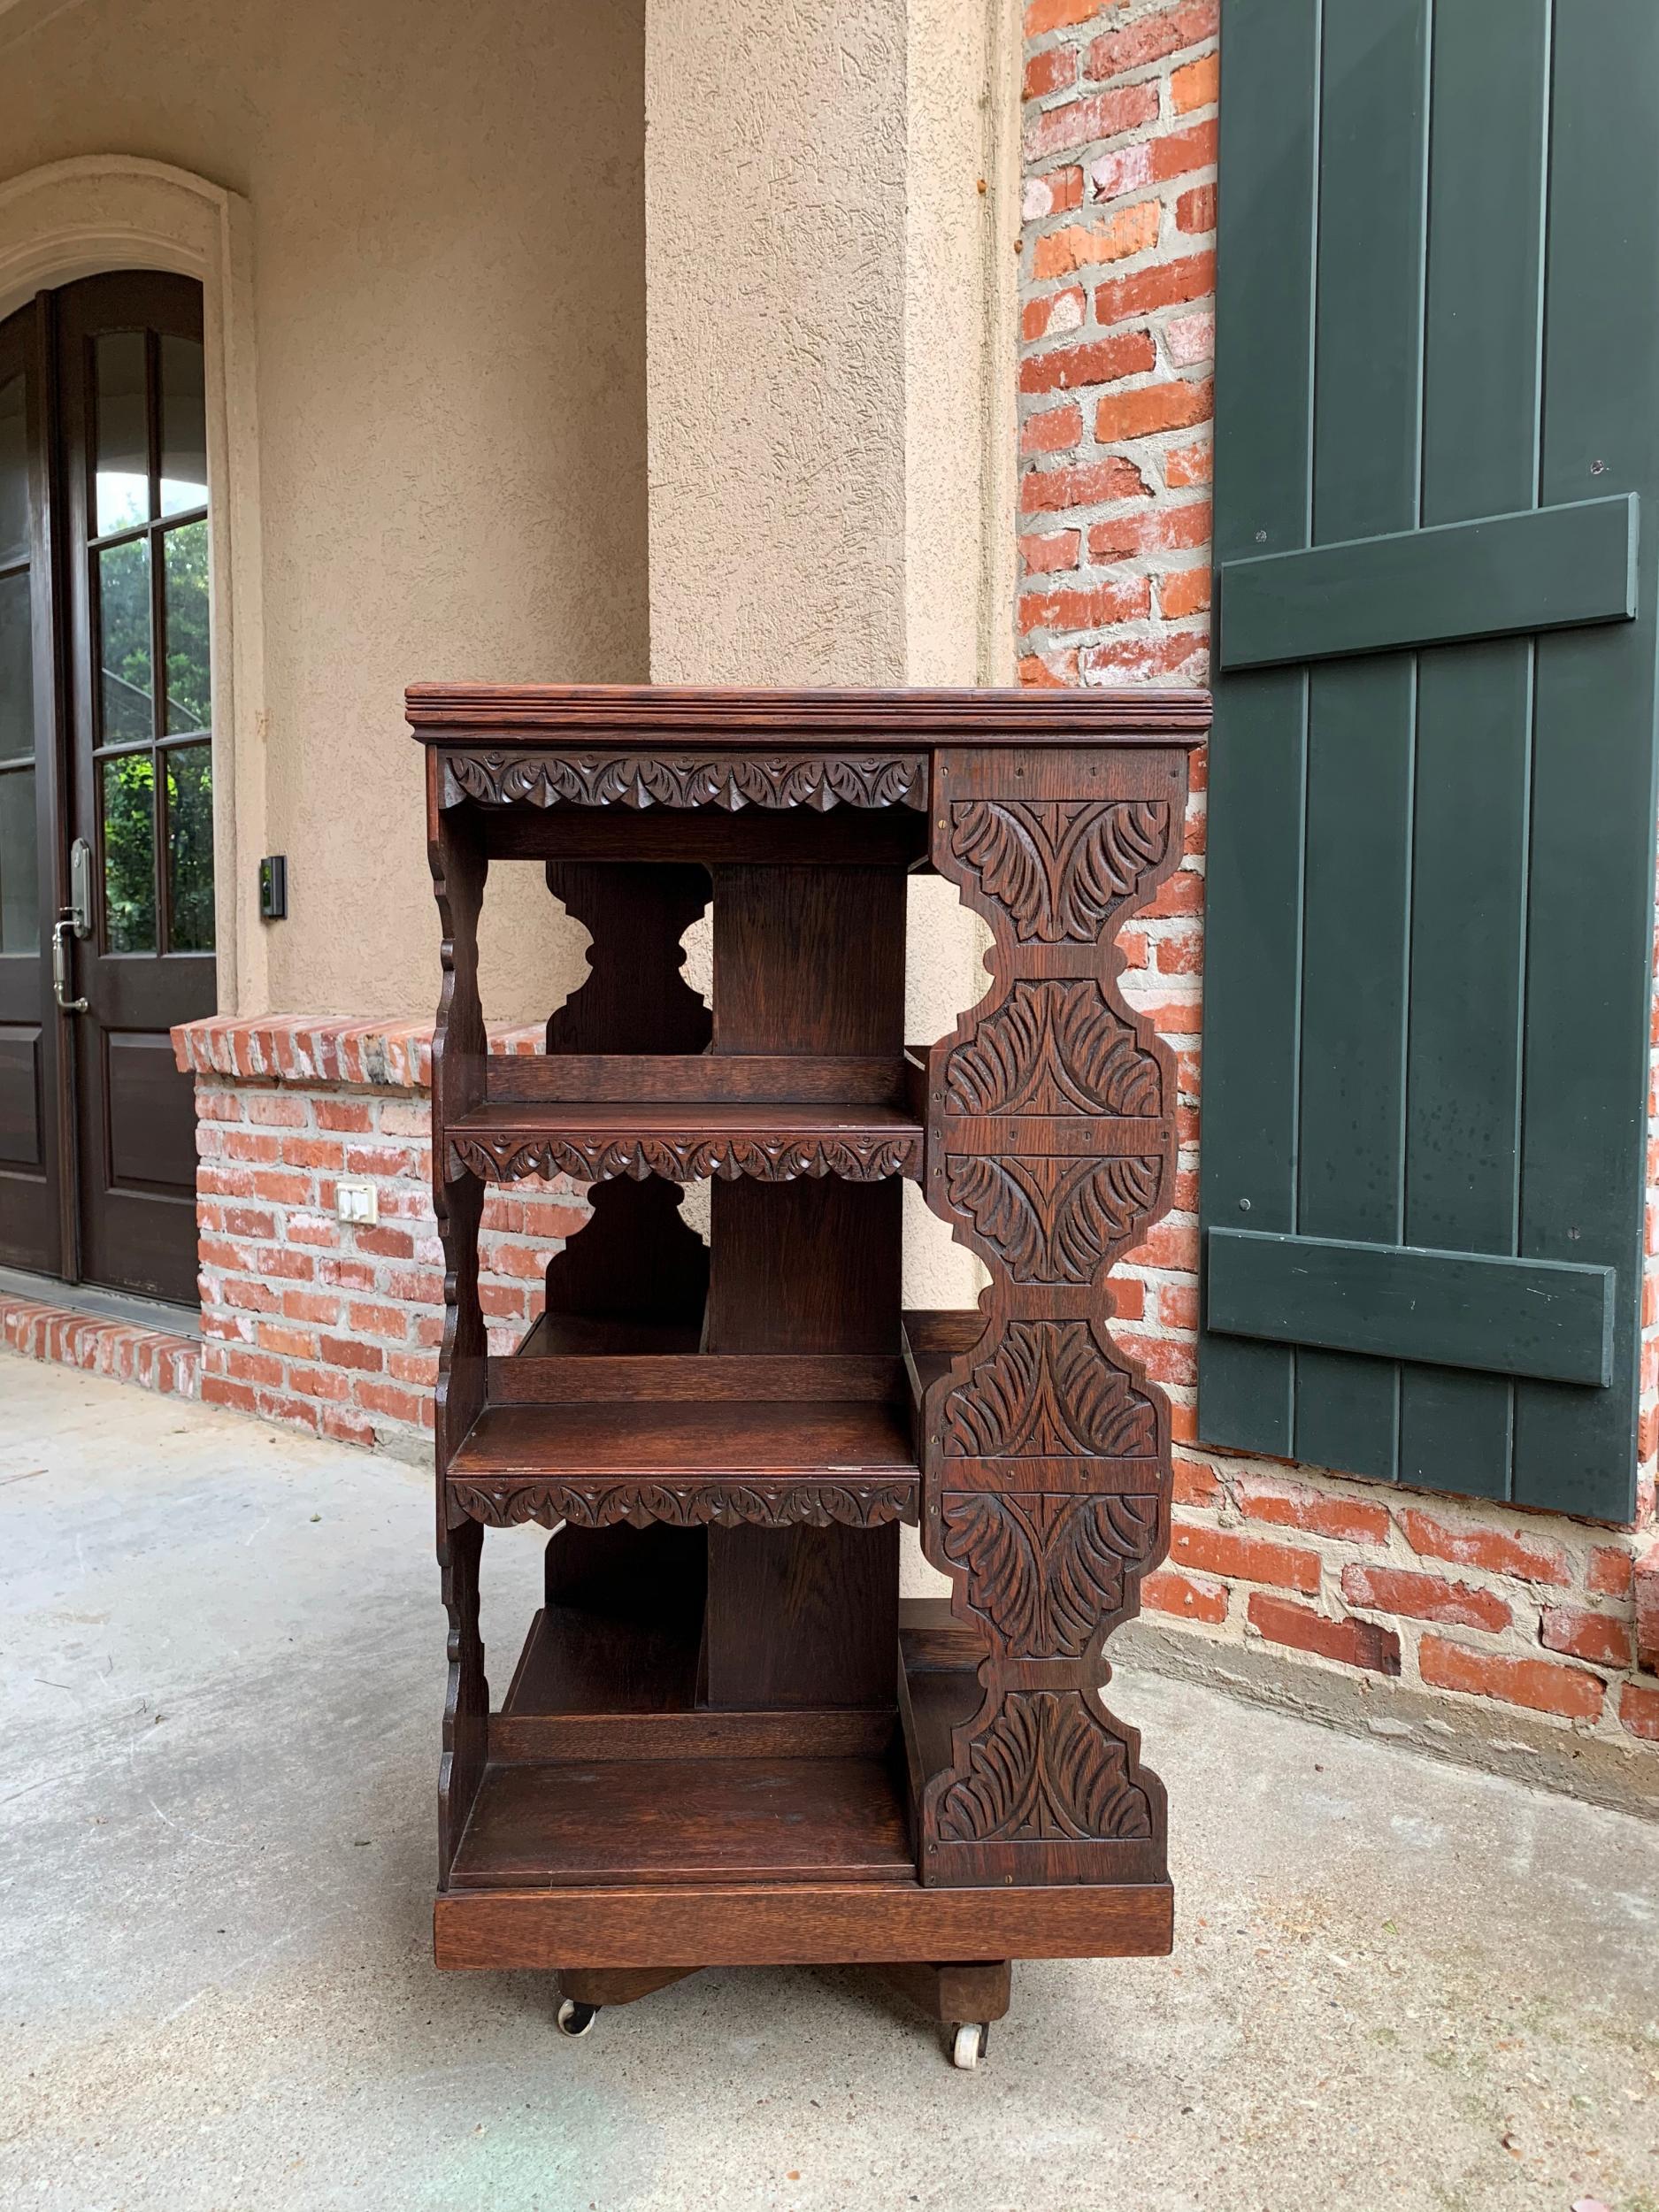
(61, 935)
(79, 910)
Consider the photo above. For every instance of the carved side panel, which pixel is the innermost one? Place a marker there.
(1050, 1149)
(458, 870)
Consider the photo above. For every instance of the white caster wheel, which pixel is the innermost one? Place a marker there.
(575, 2019)
(969, 2044)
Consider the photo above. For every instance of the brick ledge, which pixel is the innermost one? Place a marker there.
(324, 1049)
(153, 1358)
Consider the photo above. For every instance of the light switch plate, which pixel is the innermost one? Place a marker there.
(358, 1202)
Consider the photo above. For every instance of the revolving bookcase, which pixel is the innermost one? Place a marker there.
(726, 1739)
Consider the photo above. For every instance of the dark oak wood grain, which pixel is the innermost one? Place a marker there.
(979, 1989)
(442, 712)
(800, 1925)
(700, 1731)
(741, 1377)
(661, 1437)
(696, 1820)
(697, 1079)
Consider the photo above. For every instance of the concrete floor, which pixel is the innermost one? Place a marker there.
(1397, 1984)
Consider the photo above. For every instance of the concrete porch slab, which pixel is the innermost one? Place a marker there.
(1398, 1984)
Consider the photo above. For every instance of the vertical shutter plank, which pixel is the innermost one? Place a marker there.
(1263, 427)
(1369, 366)
(1590, 934)
(1488, 168)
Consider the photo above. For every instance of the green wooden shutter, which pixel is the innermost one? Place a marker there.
(1432, 809)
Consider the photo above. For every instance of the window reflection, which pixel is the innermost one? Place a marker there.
(183, 427)
(19, 878)
(14, 474)
(123, 465)
(17, 672)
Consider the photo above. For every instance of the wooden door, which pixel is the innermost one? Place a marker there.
(105, 745)
(135, 476)
(32, 1135)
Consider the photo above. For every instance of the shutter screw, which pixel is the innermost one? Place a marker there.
(1261, 537)
(1244, 1205)
(1598, 468)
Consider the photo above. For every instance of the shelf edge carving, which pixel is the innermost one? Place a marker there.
(732, 780)
(689, 1504)
(687, 1159)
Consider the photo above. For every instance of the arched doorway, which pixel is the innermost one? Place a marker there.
(106, 777)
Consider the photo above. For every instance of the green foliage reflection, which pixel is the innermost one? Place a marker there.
(190, 848)
(130, 852)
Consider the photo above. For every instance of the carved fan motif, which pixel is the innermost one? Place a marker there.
(1052, 1220)
(1057, 1048)
(1059, 865)
(687, 1159)
(730, 780)
(691, 1505)
(1045, 1572)
(1044, 1769)
(1048, 1392)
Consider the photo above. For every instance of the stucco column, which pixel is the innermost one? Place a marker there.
(775, 167)
(827, 243)
(830, 212)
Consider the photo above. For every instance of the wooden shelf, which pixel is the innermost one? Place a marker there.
(772, 1141)
(686, 1820)
(563, 1337)
(656, 1438)
(620, 1684)
(934, 1337)
(582, 1660)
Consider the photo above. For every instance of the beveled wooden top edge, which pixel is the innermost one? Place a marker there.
(737, 715)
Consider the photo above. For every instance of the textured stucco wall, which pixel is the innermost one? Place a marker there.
(447, 255)
(775, 183)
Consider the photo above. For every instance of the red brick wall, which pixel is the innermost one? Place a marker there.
(1117, 331)
(309, 1319)
(1117, 339)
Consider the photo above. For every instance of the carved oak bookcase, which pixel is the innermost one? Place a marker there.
(726, 1739)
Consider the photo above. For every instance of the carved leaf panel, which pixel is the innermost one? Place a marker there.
(1059, 866)
(1047, 1391)
(1044, 1769)
(1045, 1572)
(1057, 1049)
(1054, 1220)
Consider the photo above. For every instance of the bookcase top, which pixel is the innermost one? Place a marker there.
(739, 715)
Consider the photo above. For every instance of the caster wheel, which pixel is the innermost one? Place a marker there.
(574, 2019)
(968, 2046)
